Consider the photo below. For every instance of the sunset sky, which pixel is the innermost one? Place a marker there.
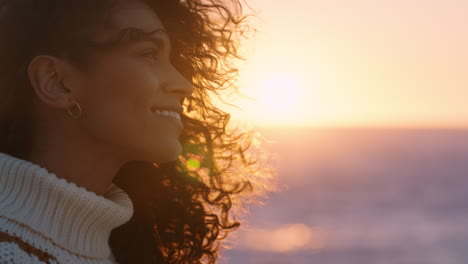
(357, 63)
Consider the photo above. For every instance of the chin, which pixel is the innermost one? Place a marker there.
(165, 153)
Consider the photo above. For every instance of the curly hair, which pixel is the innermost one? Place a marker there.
(181, 208)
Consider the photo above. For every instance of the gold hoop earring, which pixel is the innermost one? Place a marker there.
(79, 108)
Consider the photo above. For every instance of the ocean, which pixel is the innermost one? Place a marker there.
(361, 195)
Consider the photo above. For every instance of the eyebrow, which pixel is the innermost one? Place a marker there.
(131, 36)
(158, 36)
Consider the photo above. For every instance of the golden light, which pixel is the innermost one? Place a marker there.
(290, 95)
(274, 97)
(286, 238)
(280, 92)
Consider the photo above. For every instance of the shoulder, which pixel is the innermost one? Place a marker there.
(11, 253)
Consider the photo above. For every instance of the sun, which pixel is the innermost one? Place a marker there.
(279, 93)
(272, 98)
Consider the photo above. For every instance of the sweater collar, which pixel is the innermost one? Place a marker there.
(71, 216)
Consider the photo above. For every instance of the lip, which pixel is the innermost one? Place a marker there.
(178, 123)
(177, 109)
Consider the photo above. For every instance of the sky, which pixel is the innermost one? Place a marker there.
(395, 63)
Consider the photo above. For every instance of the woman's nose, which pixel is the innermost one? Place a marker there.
(178, 84)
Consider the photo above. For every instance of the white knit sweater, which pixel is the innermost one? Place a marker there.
(56, 216)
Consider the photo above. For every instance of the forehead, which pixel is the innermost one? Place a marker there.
(135, 14)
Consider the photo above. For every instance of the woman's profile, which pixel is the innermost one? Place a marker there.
(111, 150)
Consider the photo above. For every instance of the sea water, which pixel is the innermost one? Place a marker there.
(358, 195)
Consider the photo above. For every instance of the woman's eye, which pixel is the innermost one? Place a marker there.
(153, 53)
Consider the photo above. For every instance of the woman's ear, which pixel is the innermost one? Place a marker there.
(46, 74)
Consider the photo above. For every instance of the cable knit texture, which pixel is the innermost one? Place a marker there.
(58, 217)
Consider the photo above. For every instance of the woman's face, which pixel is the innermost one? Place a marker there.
(118, 94)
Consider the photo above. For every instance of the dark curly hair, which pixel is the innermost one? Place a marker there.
(182, 207)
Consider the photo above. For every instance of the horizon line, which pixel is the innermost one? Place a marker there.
(370, 127)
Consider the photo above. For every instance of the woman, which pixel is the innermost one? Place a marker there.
(99, 162)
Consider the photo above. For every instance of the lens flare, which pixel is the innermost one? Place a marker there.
(193, 164)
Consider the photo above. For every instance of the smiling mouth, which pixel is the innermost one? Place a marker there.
(174, 116)
(167, 113)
